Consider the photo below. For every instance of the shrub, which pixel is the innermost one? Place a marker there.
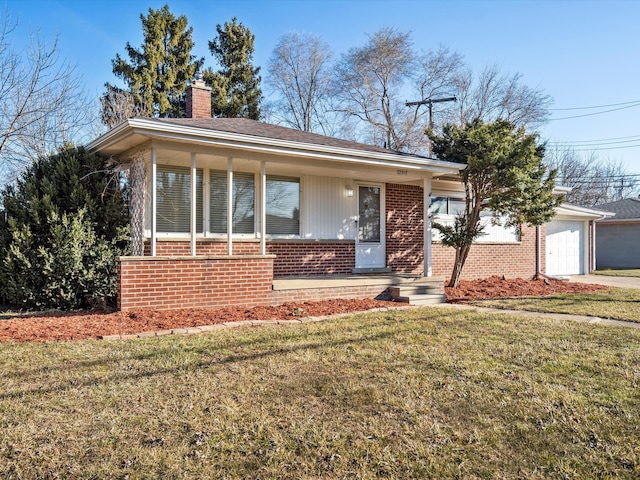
(66, 223)
(74, 269)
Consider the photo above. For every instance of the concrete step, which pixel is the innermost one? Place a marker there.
(424, 299)
(415, 289)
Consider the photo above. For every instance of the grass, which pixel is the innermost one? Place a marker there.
(421, 393)
(615, 303)
(615, 272)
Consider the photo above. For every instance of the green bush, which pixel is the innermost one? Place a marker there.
(75, 268)
(66, 224)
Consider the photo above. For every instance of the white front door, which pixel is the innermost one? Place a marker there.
(370, 245)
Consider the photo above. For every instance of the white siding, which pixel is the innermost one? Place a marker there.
(492, 233)
(327, 212)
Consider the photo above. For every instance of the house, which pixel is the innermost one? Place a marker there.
(617, 236)
(238, 212)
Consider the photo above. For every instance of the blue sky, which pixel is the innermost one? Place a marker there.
(581, 53)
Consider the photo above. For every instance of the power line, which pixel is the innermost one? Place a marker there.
(597, 106)
(599, 140)
(595, 113)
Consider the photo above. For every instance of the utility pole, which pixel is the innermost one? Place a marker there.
(430, 102)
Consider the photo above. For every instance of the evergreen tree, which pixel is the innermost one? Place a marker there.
(157, 73)
(65, 222)
(236, 86)
(504, 173)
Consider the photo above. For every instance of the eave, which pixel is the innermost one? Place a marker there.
(135, 131)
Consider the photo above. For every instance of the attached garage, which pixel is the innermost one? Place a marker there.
(565, 247)
(568, 244)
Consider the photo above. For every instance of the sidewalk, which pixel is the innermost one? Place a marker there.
(610, 281)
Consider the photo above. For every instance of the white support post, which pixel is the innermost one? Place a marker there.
(154, 202)
(263, 208)
(426, 188)
(230, 207)
(193, 205)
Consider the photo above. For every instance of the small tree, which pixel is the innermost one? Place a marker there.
(235, 89)
(504, 174)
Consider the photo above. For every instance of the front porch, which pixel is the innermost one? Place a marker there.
(217, 281)
(405, 288)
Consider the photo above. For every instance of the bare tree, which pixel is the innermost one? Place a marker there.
(492, 95)
(373, 82)
(593, 181)
(42, 105)
(299, 74)
(118, 105)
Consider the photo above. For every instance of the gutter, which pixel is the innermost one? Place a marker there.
(203, 136)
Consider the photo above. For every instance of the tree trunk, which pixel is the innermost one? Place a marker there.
(461, 258)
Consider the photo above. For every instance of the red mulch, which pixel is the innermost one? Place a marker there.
(500, 287)
(75, 326)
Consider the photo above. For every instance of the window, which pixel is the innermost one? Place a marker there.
(447, 205)
(283, 205)
(243, 199)
(173, 191)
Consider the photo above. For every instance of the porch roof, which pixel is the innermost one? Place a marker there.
(246, 135)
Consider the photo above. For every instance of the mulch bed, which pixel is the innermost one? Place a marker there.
(83, 325)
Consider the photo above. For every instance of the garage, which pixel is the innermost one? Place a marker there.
(565, 247)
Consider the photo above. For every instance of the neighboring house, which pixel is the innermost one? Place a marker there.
(238, 212)
(617, 237)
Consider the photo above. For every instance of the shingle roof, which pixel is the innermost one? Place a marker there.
(627, 208)
(244, 126)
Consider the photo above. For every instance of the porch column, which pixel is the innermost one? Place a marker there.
(154, 202)
(230, 207)
(137, 186)
(193, 205)
(426, 190)
(263, 208)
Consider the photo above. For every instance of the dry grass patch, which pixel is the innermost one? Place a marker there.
(614, 303)
(423, 393)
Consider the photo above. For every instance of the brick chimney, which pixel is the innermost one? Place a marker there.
(198, 99)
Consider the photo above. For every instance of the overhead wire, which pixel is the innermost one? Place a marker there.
(595, 106)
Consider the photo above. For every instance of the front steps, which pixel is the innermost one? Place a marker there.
(425, 291)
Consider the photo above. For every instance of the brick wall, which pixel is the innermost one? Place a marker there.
(182, 248)
(198, 100)
(511, 260)
(404, 228)
(202, 282)
(311, 258)
(378, 292)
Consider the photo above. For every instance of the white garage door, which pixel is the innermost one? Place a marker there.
(565, 247)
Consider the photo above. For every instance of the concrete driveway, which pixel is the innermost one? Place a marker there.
(623, 282)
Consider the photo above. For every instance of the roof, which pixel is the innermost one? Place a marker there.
(248, 136)
(569, 209)
(625, 209)
(245, 126)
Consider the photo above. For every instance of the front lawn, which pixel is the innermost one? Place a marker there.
(615, 303)
(420, 393)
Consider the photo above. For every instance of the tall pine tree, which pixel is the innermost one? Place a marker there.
(236, 86)
(157, 73)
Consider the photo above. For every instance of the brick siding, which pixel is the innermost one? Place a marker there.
(378, 292)
(404, 228)
(182, 248)
(509, 260)
(167, 283)
(311, 258)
